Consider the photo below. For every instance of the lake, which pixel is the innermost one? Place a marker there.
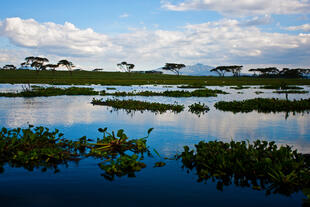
(82, 184)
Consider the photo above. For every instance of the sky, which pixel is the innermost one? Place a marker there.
(101, 33)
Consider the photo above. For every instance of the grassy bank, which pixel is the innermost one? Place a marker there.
(264, 105)
(117, 78)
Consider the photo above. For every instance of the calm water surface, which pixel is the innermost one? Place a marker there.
(82, 184)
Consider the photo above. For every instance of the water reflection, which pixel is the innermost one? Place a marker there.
(183, 129)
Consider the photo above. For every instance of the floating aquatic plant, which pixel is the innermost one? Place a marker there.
(261, 165)
(198, 108)
(134, 105)
(265, 105)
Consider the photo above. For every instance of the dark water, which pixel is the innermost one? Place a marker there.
(83, 185)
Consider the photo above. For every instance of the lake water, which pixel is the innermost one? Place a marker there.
(171, 185)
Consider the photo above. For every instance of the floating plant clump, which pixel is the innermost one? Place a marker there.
(196, 93)
(39, 148)
(198, 108)
(265, 105)
(261, 165)
(134, 105)
(36, 91)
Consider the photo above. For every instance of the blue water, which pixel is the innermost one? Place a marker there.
(82, 184)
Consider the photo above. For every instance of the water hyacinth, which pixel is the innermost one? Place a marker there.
(134, 105)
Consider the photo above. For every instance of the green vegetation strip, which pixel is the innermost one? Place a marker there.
(261, 165)
(134, 105)
(264, 105)
(118, 78)
(39, 148)
(291, 91)
(182, 93)
(51, 91)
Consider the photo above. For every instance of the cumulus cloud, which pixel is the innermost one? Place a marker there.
(221, 42)
(54, 37)
(242, 7)
(304, 27)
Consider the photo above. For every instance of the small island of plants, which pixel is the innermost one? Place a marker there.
(135, 105)
(265, 105)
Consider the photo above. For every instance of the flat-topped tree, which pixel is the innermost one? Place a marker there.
(126, 67)
(69, 65)
(234, 69)
(9, 67)
(35, 62)
(266, 71)
(221, 70)
(174, 67)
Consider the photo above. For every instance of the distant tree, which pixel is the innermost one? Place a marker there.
(270, 71)
(174, 67)
(35, 62)
(126, 67)
(235, 69)
(294, 73)
(69, 65)
(9, 67)
(220, 70)
(51, 66)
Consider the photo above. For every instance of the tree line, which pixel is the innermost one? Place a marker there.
(39, 63)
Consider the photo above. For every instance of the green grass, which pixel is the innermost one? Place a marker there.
(265, 105)
(291, 91)
(134, 105)
(118, 78)
(261, 165)
(280, 86)
(196, 93)
(51, 91)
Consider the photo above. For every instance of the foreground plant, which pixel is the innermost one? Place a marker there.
(134, 105)
(261, 165)
(265, 105)
(38, 148)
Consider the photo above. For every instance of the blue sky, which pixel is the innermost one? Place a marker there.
(150, 33)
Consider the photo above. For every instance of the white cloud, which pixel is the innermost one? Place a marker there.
(262, 20)
(304, 27)
(222, 42)
(242, 7)
(125, 15)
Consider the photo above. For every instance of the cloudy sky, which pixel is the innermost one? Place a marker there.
(149, 33)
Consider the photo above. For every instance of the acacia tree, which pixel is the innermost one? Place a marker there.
(270, 71)
(221, 70)
(69, 65)
(174, 67)
(126, 67)
(35, 62)
(234, 69)
(9, 67)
